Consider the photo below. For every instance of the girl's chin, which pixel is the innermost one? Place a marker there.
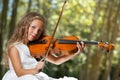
(31, 39)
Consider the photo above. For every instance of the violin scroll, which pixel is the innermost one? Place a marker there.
(106, 46)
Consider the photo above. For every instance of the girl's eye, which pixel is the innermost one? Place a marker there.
(33, 27)
(39, 31)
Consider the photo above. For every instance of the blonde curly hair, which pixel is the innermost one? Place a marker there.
(21, 31)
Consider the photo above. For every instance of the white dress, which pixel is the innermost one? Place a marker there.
(28, 62)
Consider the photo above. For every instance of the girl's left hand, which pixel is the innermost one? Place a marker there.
(80, 47)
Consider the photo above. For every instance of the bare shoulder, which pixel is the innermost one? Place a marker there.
(12, 51)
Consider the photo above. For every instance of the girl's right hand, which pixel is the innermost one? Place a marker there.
(39, 66)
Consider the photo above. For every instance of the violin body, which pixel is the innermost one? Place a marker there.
(39, 47)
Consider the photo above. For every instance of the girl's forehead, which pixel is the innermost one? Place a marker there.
(37, 23)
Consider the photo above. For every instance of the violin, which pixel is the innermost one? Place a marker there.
(38, 48)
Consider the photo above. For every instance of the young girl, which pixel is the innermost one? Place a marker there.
(22, 66)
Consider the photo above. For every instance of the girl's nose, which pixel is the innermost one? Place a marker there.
(36, 31)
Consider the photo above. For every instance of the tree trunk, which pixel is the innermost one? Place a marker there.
(29, 6)
(116, 73)
(3, 23)
(13, 17)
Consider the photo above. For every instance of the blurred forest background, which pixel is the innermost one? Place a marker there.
(97, 20)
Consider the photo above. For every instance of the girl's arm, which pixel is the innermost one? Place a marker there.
(15, 59)
(59, 60)
(64, 58)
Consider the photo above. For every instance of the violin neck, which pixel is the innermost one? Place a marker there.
(63, 41)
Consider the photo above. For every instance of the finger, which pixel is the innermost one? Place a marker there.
(79, 47)
(42, 60)
(82, 44)
(40, 64)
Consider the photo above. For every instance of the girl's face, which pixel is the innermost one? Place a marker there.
(35, 30)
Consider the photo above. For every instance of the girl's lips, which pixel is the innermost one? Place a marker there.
(33, 36)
